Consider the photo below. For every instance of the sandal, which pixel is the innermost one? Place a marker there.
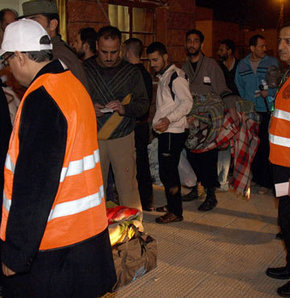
(168, 218)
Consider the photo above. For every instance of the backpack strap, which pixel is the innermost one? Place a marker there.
(172, 78)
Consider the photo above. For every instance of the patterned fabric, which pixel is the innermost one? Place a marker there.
(244, 146)
(244, 143)
(205, 122)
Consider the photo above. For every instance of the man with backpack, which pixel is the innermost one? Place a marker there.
(173, 103)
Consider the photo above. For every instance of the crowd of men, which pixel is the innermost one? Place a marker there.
(83, 124)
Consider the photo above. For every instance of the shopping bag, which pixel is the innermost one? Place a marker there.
(134, 258)
(186, 173)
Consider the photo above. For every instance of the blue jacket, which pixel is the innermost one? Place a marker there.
(248, 82)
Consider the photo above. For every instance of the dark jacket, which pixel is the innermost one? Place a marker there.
(62, 51)
(230, 76)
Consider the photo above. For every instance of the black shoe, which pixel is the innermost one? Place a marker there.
(279, 236)
(147, 208)
(210, 201)
(207, 205)
(284, 291)
(192, 195)
(279, 273)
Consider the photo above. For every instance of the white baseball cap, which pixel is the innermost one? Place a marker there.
(25, 35)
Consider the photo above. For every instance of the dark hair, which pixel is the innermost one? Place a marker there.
(110, 32)
(197, 32)
(136, 45)
(156, 47)
(3, 12)
(254, 39)
(40, 56)
(89, 35)
(285, 24)
(230, 45)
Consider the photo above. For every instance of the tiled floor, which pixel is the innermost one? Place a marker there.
(221, 253)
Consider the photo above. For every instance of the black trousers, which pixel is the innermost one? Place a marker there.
(170, 146)
(261, 167)
(205, 167)
(83, 270)
(280, 175)
(143, 169)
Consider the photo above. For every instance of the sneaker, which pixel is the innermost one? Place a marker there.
(223, 188)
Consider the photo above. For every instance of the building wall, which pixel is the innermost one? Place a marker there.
(85, 13)
(206, 27)
(14, 4)
(173, 22)
(215, 31)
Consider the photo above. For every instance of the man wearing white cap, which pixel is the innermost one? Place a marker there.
(54, 224)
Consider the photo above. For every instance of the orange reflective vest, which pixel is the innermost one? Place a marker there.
(279, 132)
(78, 211)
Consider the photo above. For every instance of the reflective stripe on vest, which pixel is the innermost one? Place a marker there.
(74, 168)
(279, 140)
(68, 208)
(9, 164)
(6, 202)
(281, 115)
(77, 206)
(78, 166)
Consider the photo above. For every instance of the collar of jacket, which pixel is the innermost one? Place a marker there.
(163, 71)
(247, 59)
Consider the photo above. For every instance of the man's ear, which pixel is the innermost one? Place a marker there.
(21, 57)
(165, 57)
(86, 46)
(53, 25)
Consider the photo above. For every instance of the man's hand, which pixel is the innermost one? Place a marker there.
(116, 105)
(7, 271)
(264, 93)
(162, 124)
(98, 107)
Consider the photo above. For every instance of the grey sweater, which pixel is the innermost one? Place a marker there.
(208, 78)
